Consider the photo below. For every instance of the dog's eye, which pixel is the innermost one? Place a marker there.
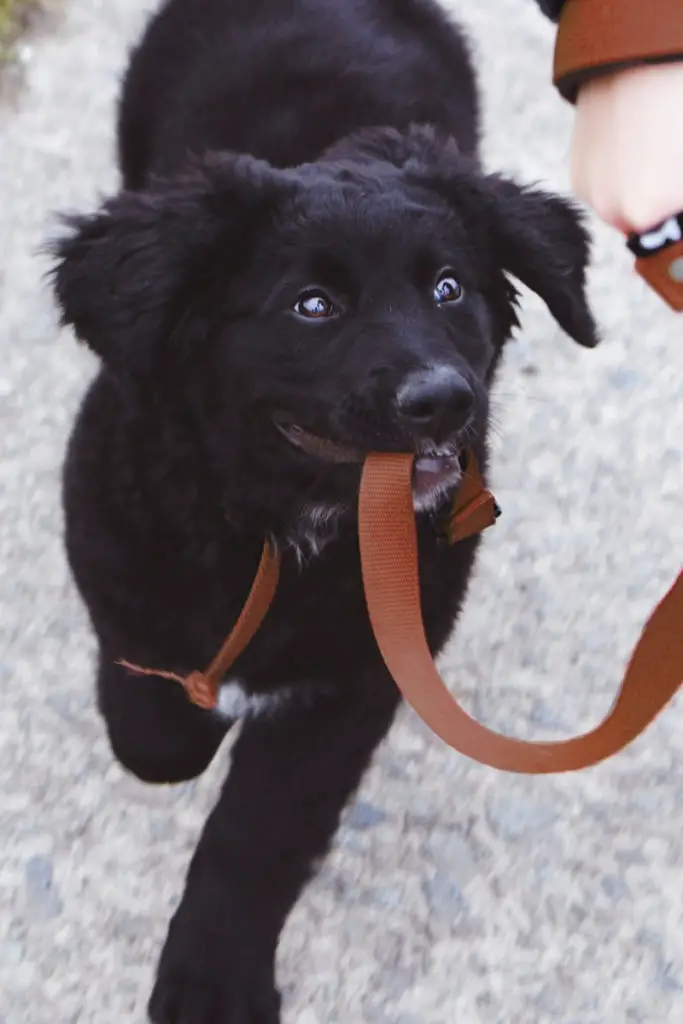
(315, 306)
(448, 289)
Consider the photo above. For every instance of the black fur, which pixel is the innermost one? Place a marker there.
(264, 148)
(553, 8)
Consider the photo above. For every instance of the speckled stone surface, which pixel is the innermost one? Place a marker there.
(453, 893)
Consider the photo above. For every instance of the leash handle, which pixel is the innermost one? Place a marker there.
(389, 559)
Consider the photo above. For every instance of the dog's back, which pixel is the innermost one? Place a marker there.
(252, 76)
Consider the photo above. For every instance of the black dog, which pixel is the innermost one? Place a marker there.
(306, 263)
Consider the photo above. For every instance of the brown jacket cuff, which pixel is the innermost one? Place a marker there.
(595, 36)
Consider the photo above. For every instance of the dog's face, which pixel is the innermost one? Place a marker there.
(307, 317)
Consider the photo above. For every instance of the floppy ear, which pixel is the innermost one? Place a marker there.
(539, 238)
(532, 235)
(124, 277)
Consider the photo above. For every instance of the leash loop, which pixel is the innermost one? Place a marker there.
(389, 563)
(389, 558)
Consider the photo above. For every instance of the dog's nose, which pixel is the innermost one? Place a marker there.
(436, 402)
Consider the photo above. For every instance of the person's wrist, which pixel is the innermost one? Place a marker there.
(627, 149)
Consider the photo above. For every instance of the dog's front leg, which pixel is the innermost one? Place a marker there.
(291, 776)
(154, 731)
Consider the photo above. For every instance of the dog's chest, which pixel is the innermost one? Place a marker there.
(317, 635)
(236, 702)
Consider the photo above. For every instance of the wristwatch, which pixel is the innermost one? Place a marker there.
(659, 259)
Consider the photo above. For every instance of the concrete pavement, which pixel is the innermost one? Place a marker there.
(453, 893)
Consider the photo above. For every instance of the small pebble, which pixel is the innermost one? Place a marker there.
(42, 898)
(363, 815)
(444, 896)
(515, 818)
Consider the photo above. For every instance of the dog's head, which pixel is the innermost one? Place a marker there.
(304, 317)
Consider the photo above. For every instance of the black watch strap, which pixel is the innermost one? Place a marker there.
(659, 259)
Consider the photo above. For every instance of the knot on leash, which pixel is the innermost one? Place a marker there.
(201, 690)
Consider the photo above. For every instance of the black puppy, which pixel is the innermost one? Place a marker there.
(306, 264)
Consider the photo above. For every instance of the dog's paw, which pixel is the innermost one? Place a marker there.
(191, 992)
(212, 990)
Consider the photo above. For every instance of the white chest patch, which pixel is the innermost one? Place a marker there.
(234, 702)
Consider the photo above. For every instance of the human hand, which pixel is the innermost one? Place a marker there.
(627, 147)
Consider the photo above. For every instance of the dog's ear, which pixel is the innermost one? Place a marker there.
(539, 238)
(127, 275)
(532, 235)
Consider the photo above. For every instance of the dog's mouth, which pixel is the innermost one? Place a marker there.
(436, 471)
(322, 448)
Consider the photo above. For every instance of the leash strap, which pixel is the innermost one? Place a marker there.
(389, 558)
(202, 687)
(473, 510)
(389, 561)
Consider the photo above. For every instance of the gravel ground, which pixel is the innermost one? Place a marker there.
(454, 893)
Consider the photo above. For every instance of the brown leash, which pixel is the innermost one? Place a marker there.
(203, 687)
(390, 575)
(389, 560)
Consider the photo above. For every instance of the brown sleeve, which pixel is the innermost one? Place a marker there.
(595, 36)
